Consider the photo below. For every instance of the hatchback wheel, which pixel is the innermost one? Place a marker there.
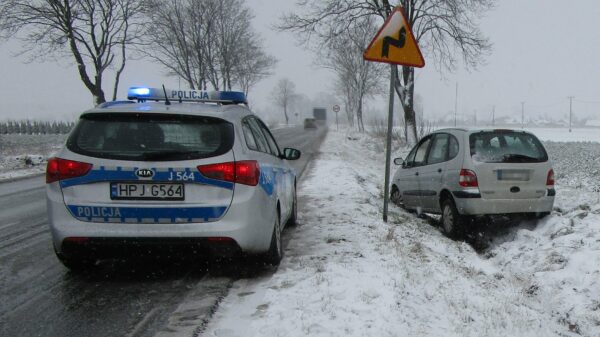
(275, 253)
(452, 222)
(396, 197)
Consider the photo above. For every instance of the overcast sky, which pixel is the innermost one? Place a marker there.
(544, 51)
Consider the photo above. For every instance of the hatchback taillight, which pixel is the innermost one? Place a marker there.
(59, 169)
(550, 178)
(245, 172)
(467, 178)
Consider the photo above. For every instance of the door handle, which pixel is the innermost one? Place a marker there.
(416, 173)
(439, 170)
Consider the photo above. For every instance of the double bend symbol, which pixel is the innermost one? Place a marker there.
(398, 43)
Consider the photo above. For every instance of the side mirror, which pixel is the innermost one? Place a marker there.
(399, 161)
(290, 154)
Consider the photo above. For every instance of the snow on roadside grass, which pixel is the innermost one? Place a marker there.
(25, 155)
(348, 273)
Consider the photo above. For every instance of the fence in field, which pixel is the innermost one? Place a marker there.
(29, 127)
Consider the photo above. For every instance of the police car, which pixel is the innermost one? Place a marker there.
(170, 167)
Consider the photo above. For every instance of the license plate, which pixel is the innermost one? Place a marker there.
(146, 191)
(514, 175)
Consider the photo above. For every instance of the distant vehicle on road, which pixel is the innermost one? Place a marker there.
(206, 174)
(461, 173)
(310, 123)
(320, 115)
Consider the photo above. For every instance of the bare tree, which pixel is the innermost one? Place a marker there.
(443, 29)
(95, 33)
(357, 78)
(207, 43)
(283, 95)
(254, 66)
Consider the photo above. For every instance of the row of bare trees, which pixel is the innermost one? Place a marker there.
(95, 34)
(446, 30)
(356, 79)
(29, 127)
(208, 43)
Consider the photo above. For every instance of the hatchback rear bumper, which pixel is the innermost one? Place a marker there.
(480, 206)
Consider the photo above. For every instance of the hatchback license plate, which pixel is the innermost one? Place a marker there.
(146, 191)
(513, 175)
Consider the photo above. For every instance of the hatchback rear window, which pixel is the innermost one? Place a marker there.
(506, 147)
(150, 137)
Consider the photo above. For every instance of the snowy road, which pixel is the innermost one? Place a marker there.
(40, 298)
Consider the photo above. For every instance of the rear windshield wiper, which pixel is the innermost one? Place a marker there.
(163, 155)
(519, 158)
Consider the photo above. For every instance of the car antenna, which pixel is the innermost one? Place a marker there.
(167, 102)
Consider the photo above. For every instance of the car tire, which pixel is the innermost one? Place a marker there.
(75, 264)
(542, 215)
(396, 197)
(452, 222)
(293, 220)
(275, 252)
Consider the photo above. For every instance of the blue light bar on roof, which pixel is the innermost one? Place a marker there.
(158, 94)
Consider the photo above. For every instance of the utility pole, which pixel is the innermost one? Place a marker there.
(493, 115)
(570, 110)
(522, 115)
(455, 104)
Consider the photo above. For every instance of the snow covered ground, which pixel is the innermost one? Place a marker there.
(563, 134)
(346, 272)
(25, 155)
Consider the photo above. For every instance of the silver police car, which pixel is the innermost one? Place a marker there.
(460, 173)
(164, 171)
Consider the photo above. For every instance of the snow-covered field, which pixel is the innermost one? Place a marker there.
(23, 155)
(563, 134)
(347, 273)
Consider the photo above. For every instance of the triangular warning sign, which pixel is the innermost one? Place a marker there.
(395, 43)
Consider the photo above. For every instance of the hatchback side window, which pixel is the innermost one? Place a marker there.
(410, 159)
(439, 149)
(422, 152)
(453, 149)
(250, 141)
(261, 142)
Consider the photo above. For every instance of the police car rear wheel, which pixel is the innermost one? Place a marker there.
(75, 263)
(275, 253)
(294, 216)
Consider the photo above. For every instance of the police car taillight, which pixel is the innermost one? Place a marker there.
(60, 169)
(245, 172)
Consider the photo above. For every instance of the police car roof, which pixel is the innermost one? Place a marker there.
(225, 111)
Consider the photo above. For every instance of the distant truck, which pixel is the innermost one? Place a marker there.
(320, 115)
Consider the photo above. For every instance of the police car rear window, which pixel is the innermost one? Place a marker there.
(506, 146)
(150, 137)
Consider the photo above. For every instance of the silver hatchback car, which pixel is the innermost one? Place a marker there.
(205, 174)
(460, 173)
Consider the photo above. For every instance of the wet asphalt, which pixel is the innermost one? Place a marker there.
(135, 297)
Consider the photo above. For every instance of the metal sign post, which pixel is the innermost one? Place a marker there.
(394, 43)
(336, 109)
(388, 144)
